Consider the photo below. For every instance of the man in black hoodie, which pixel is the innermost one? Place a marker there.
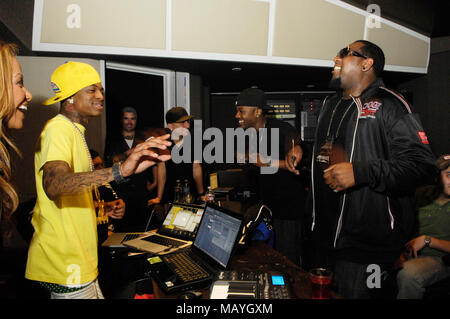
(370, 154)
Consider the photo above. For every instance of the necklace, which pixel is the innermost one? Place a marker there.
(261, 132)
(326, 151)
(91, 165)
(333, 138)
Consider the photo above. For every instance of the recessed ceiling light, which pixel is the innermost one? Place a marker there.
(236, 69)
(310, 86)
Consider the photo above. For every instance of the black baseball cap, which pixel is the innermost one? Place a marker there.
(177, 114)
(252, 97)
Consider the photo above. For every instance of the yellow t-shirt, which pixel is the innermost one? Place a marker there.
(63, 249)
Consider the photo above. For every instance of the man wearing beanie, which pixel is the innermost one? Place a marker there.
(281, 189)
(63, 251)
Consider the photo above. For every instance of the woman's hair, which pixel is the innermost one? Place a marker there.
(8, 196)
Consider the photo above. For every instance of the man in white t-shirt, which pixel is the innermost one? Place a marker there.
(119, 145)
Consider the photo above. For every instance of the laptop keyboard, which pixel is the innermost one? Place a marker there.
(185, 267)
(164, 241)
(130, 237)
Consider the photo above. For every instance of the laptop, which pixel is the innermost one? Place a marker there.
(176, 232)
(115, 240)
(197, 266)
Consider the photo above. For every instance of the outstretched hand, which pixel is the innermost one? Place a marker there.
(146, 154)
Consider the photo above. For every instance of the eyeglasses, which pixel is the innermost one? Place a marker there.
(346, 51)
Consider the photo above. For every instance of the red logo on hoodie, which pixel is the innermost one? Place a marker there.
(369, 109)
(423, 137)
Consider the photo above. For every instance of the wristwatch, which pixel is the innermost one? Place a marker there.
(427, 241)
(117, 174)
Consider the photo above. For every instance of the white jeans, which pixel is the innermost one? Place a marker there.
(90, 291)
(419, 273)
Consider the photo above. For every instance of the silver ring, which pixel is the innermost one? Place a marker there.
(150, 138)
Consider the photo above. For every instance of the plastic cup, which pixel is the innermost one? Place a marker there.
(320, 283)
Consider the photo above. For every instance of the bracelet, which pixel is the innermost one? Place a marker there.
(117, 174)
(427, 241)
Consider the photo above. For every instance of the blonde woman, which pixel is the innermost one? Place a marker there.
(14, 99)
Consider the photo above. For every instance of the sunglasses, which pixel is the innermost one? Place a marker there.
(346, 51)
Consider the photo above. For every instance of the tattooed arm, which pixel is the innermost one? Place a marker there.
(58, 179)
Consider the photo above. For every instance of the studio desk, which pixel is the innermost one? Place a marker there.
(260, 257)
(257, 256)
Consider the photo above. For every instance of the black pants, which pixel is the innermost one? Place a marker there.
(288, 239)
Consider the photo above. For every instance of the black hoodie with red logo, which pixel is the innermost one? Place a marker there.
(391, 156)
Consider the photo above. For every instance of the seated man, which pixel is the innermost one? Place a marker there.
(432, 242)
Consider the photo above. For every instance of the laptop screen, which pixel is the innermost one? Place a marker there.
(182, 219)
(217, 234)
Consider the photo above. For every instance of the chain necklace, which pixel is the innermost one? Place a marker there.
(108, 185)
(329, 138)
(91, 165)
(326, 150)
(261, 132)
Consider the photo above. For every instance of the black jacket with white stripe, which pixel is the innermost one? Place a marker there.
(391, 156)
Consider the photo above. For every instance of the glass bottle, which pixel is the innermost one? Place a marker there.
(187, 192)
(210, 197)
(177, 195)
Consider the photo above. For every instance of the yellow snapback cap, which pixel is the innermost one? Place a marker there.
(69, 78)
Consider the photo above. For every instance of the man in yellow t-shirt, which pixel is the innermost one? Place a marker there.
(63, 251)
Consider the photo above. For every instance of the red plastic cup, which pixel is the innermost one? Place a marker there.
(320, 283)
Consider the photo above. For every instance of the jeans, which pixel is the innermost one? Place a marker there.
(417, 274)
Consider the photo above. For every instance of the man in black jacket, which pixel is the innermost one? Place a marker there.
(370, 154)
(280, 188)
